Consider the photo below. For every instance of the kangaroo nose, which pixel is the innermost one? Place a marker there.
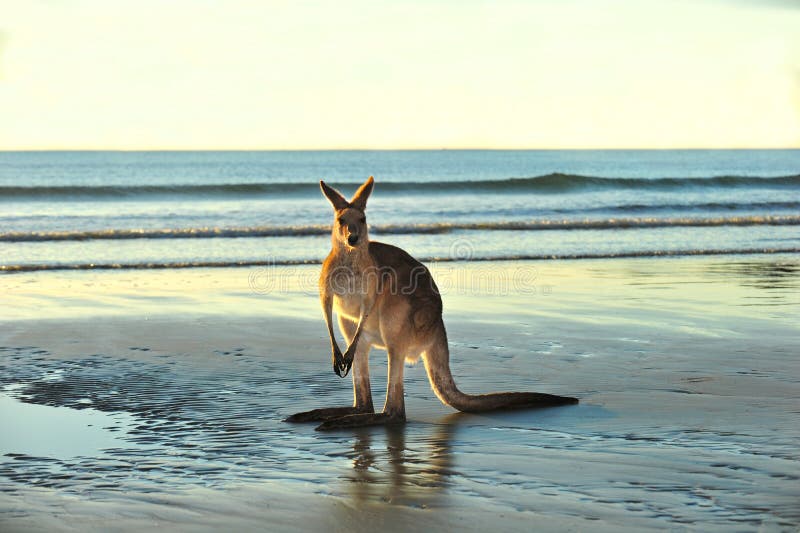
(352, 239)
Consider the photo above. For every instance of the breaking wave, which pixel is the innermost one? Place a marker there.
(10, 269)
(400, 229)
(549, 183)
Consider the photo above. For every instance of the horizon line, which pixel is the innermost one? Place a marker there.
(444, 149)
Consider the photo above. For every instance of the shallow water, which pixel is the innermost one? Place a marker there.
(686, 370)
(178, 423)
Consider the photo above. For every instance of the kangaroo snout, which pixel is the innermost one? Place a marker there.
(352, 240)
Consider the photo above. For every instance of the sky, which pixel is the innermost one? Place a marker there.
(380, 74)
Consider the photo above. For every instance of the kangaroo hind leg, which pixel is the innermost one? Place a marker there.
(394, 410)
(362, 392)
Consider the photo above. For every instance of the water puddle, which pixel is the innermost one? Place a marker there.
(56, 432)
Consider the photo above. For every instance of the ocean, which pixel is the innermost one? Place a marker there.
(93, 210)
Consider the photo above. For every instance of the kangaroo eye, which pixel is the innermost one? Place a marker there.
(363, 220)
(340, 221)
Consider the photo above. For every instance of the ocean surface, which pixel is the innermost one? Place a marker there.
(83, 210)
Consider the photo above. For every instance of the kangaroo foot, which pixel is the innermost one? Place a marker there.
(361, 420)
(326, 413)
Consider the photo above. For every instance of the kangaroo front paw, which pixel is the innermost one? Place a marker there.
(338, 362)
(347, 361)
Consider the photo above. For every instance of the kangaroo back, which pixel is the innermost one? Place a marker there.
(404, 277)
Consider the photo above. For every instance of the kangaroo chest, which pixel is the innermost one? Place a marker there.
(346, 280)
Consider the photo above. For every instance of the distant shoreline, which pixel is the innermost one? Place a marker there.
(313, 150)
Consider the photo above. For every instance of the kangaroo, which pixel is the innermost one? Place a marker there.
(386, 299)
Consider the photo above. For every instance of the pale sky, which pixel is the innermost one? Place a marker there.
(236, 74)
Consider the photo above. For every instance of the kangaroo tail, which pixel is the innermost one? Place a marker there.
(437, 364)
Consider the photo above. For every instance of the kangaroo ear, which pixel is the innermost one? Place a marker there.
(336, 199)
(359, 200)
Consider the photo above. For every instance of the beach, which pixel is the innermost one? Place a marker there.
(141, 398)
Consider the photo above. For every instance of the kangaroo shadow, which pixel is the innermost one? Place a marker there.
(405, 465)
(413, 465)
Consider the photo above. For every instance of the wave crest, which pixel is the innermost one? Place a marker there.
(549, 183)
(11, 269)
(401, 229)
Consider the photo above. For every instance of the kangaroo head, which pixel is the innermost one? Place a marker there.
(350, 219)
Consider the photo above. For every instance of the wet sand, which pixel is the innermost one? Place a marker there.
(140, 399)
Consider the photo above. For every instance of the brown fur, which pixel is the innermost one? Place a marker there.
(385, 298)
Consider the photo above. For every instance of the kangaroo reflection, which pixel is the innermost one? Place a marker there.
(402, 465)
